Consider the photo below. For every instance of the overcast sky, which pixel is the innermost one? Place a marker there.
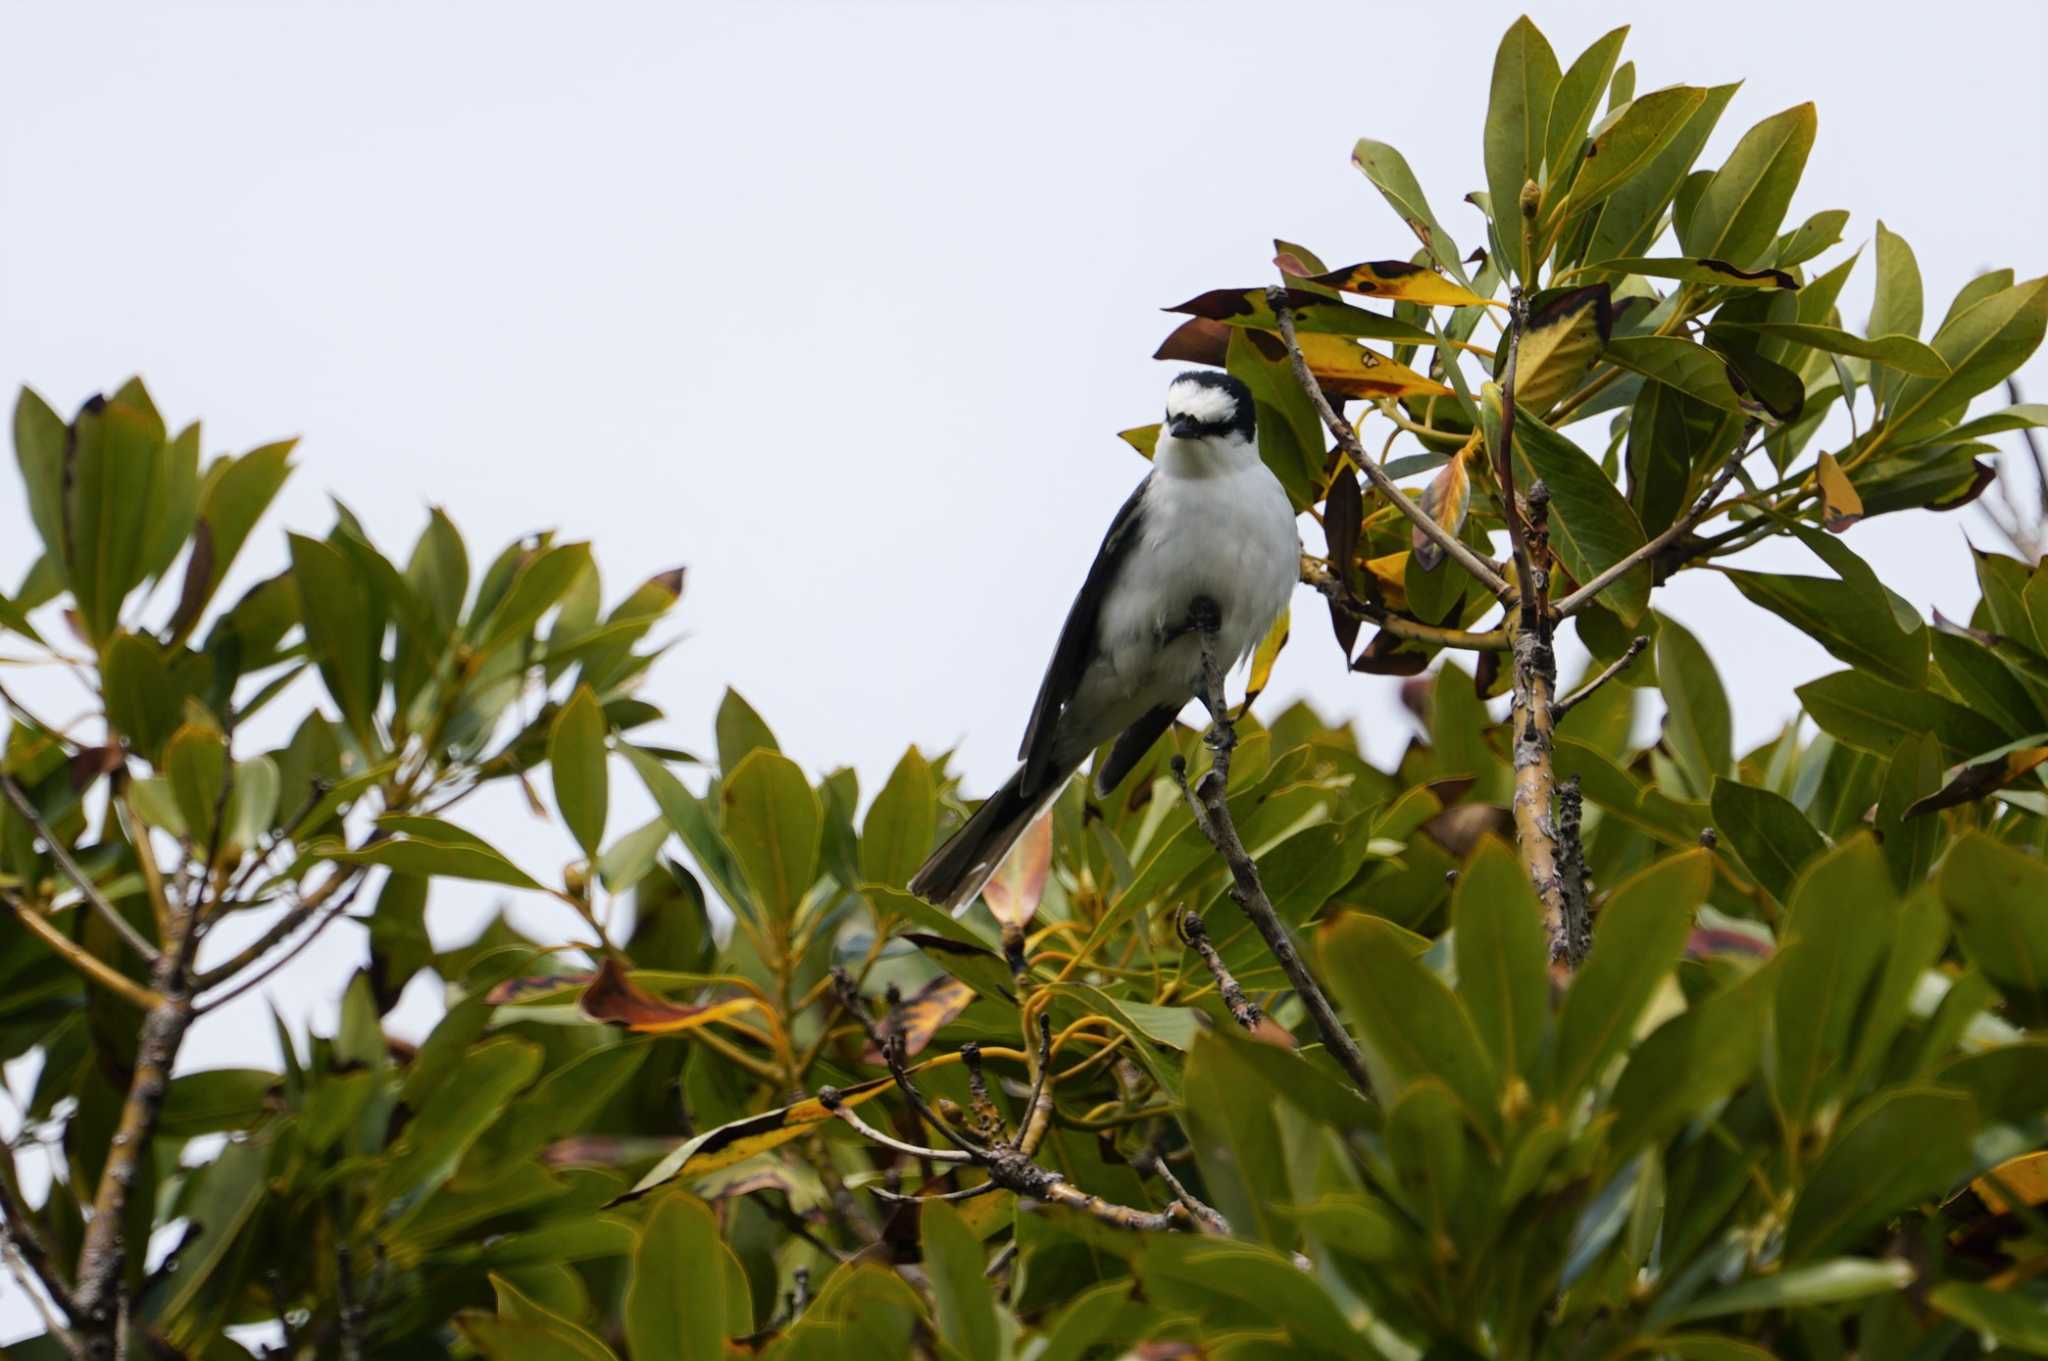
(841, 305)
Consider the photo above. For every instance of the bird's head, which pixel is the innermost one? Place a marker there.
(1201, 405)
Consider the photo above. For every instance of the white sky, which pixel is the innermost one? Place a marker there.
(841, 305)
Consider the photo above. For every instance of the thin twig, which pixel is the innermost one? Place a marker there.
(1316, 574)
(1211, 812)
(1242, 1009)
(62, 855)
(1208, 1216)
(52, 1325)
(832, 1100)
(81, 959)
(334, 909)
(1616, 667)
(1347, 440)
(1705, 506)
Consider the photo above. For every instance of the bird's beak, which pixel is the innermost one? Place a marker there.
(1183, 429)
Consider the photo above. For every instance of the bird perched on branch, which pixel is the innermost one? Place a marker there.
(1207, 543)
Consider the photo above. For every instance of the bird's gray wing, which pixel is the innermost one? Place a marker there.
(1076, 647)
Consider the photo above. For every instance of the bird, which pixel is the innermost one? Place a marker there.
(1206, 543)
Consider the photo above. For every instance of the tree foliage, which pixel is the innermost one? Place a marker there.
(1630, 1046)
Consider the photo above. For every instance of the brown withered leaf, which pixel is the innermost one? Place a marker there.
(1343, 516)
(1383, 656)
(1459, 828)
(1400, 281)
(92, 762)
(1986, 474)
(1446, 500)
(1013, 892)
(1843, 507)
(1720, 940)
(613, 999)
(1974, 782)
(1559, 345)
(1200, 340)
(923, 1015)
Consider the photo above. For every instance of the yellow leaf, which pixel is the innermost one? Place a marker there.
(1351, 370)
(1559, 345)
(2025, 1176)
(1843, 507)
(1263, 658)
(1143, 438)
(1400, 281)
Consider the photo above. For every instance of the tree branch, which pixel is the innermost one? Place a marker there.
(1615, 668)
(1211, 812)
(1532, 719)
(1347, 440)
(81, 959)
(1586, 594)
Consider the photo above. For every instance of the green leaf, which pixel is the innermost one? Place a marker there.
(576, 761)
(232, 498)
(687, 815)
(1908, 1143)
(1833, 1282)
(1903, 353)
(1502, 956)
(344, 631)
(675, 1295)
(1855, 618)
(1592, 526)
(1698, 726)
(897, 835)
(770, 817)
(1525, 77)
(2014, 1319)
(1411, 1026)
(1571, 108)
(1739, 210)
(1868, 714)
(144, 695)
(428, 847)
(1637, 938)
(1669, 436)
(1691, 1062)
(1388, 170)
(741, 731)
(1769, 833)
(1645, 182)
(1981, 345)
(40, 435)
(954, 1261)
(1836, 927)
(196, 764)
(1629, 140)
(1237, 1143)
(1677, 363)
(233, 1187)
(538, 583)
(1998, 897)
(455, 1115)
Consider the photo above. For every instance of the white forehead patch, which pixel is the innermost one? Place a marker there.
(1200, 402)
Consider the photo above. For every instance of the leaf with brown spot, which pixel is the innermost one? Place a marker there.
(1713, 273)
(2025, 1176)
(1013, 892)
(1348, 370)
(1446, 500)
(613, 999)
(1314, 314)
(923, 1015)
(1843, 507)
(1400, 281)
(1983, 778)
(526, 989)
(1563, 338)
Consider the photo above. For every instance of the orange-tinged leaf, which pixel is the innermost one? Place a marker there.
(1400, 281)
(613, 998)
(1350, 370)
(1019, 882)
(1843, 506)
(1446, 499)
(924, 1014)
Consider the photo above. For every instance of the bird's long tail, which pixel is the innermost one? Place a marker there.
(957, 870)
